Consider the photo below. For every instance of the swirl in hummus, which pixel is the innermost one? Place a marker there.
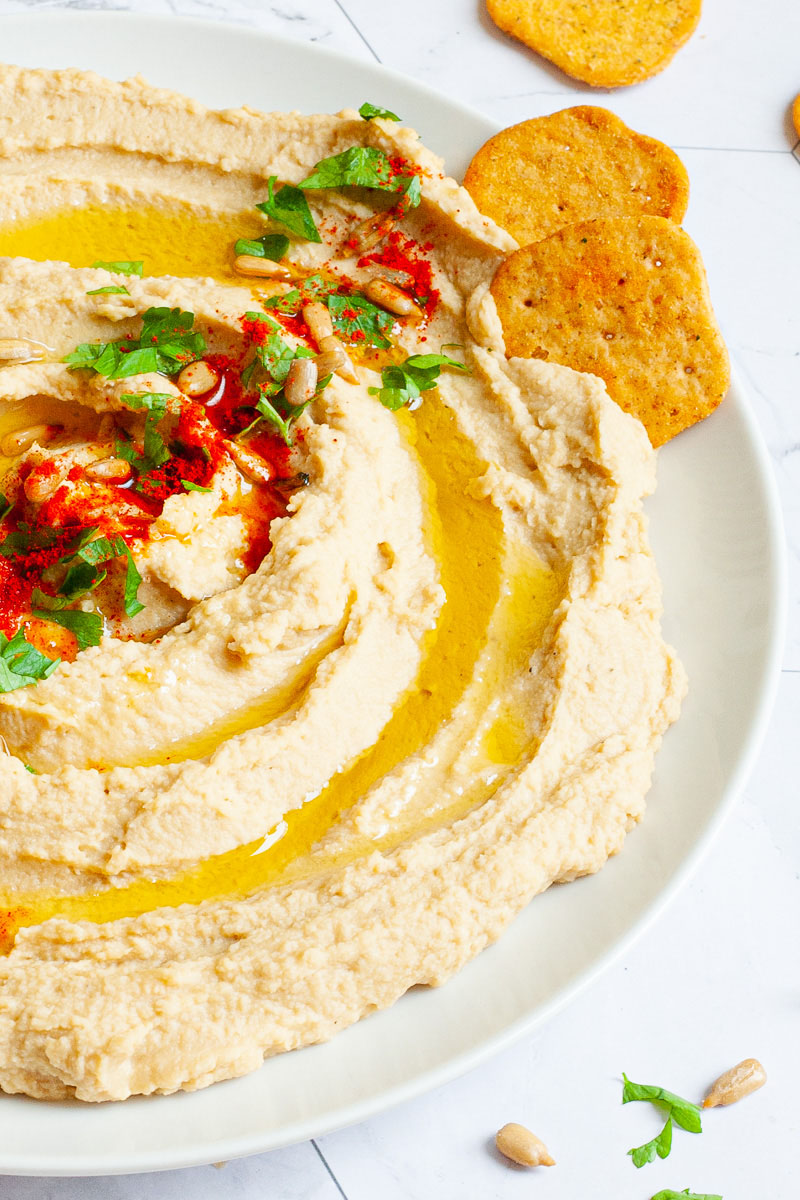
(341, 684)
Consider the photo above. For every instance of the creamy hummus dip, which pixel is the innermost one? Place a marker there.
(331, 636)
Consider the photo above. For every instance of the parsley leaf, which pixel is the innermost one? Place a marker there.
(282, 414)
(21, 663)
(289, 207)
(122, 268)
(92, 554)
(660, 1145)
(5, 506)
(363, 166)
(368, 111)
(112, 290)
(358, 315)
(404, 383)
(154, 449)
(271, 245)
(26, 538)
(132, 580)
(87, 627)
(683, 1112)
(194, 487)
(669, 1194)
(165, 344)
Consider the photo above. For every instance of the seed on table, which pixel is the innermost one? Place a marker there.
(252, 465)
(367, 235)
(260, 268)
(22, 439)
(332, 345)
(522, 1147)
(197, 378)
(391, 297)
(18, 350)
(109, 470)
(746, 1077)
(318, 319)
(301, 381)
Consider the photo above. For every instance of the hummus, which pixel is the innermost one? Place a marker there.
(341, 722)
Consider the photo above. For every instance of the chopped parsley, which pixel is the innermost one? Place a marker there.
(367, 167)
(404, 383)
(288, 206)
(679, 1112)
(5, 506)
(21, 663)
(358, 319)
(154, 449)
(271, 245)
(166, 343)
(669, 1194)
(87, 627)
(194, 487)
(122, 268)
(113, 289)
(369, 111)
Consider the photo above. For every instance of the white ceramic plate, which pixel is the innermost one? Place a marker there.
(717, 535)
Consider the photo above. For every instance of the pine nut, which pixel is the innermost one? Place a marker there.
(109, 470)
(21, 440)
(330, 362)
(18, 350)
(332, 345)
(301, 381)
(746, 1077)
(367, 235)
(318, 320)
(197, 378)
(522, 1147)
(38, 487)
(260, 268)
(392, 298)
(252, 465)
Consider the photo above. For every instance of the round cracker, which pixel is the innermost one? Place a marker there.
(574, 165)
(607, 43)
(627, 299)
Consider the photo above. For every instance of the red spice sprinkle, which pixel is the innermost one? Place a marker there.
(401, 253)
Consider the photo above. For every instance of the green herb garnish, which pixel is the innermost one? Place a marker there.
(358, 315)
(5, 506)
(289, 207)
(21, 663)
(165, 344)
(679, 1111)
(271, 245)
(86, 569)
(404, 383)
(363, 166)
(154, 449)
(369, 111)
(122, 268)
(194, 487)
(87, 627)
(113, 289)
(669, 1194)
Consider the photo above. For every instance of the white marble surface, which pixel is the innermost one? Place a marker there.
(718, 977)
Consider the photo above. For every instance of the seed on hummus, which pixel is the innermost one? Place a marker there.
(361, 653)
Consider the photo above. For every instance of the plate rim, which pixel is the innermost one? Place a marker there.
(382, 1100)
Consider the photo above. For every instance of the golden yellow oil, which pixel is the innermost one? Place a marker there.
(467, 537)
